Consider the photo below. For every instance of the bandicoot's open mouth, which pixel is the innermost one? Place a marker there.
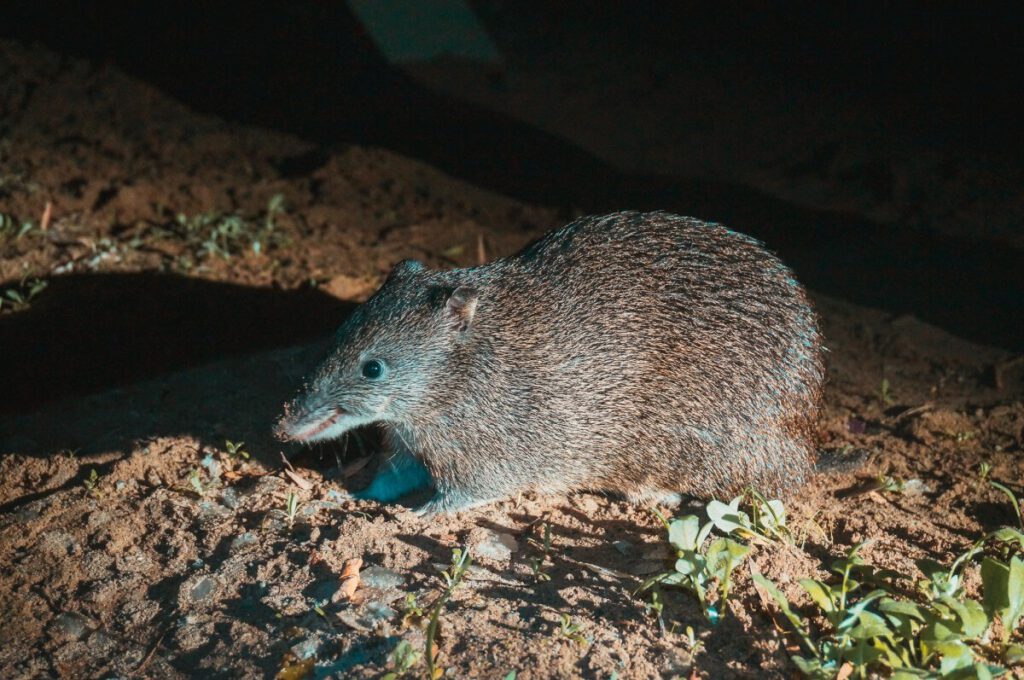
(316, 428)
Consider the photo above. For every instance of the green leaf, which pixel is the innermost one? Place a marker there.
(727, 518)
(1014, 654)
(901, 608)
(973, 619)
(819, 592)
(794, 619)
(955, 655)
(869, 625)
(1015, 594)
(995, 582)
(683, 532)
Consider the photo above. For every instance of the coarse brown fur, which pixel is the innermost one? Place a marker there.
(642, 353)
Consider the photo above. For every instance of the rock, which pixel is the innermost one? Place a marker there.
(72, 625)
(381, 578)
(242, 540)
(198, 591)
(308, 648)
(624, 547)
(491, 545)
(229, 497)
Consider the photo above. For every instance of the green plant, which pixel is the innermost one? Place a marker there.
(890, 484)
(403, 658)
(291, 507)
(537, 562)
(885, 393)
(412, 613)
(12, 230)
(571, 631)
(453, 577)
(872, 625)
(1014, 501)
(984, 469)
(20, 296)
(91, 483)
(195, 480)
(235, 449)
(704, 572)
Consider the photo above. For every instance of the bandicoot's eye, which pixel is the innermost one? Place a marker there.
(373, 369)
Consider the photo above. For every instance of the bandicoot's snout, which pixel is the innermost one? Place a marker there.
(304, 426)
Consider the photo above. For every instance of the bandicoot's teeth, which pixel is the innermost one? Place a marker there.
(317, 428)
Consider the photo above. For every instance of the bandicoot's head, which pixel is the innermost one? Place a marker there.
(392, 350)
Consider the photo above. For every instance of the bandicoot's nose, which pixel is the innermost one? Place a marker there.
(304, 426)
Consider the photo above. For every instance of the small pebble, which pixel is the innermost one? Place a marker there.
(491, 545)
(72, 624)
(381, 578)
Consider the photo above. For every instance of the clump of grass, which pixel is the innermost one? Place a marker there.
(225, 235)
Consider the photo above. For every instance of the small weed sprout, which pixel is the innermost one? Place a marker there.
(91, 484)
(890, 484)
(403, 658)
(453, 577)
(984, 470)
(235, 449)
(537, 563)
(885, 393)
(412, 613)
(291, 507)
(567, 630)
(12, 230)
(21, 296)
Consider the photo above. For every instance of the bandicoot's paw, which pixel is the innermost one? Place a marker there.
(398, 477)
(446, 503)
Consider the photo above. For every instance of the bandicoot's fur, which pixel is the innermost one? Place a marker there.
(643, 353)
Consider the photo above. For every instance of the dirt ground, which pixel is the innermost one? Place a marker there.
(176, 558)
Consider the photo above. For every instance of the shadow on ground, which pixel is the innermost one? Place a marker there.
(92, 332)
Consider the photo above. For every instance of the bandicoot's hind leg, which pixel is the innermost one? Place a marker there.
(400, 474)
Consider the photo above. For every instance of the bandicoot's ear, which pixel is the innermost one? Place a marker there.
(461, 306)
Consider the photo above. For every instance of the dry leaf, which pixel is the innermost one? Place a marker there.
(299, 480)
(350, 576)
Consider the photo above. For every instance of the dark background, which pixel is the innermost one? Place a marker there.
(949, 74)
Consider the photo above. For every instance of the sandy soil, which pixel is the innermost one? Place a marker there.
(178, 559)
